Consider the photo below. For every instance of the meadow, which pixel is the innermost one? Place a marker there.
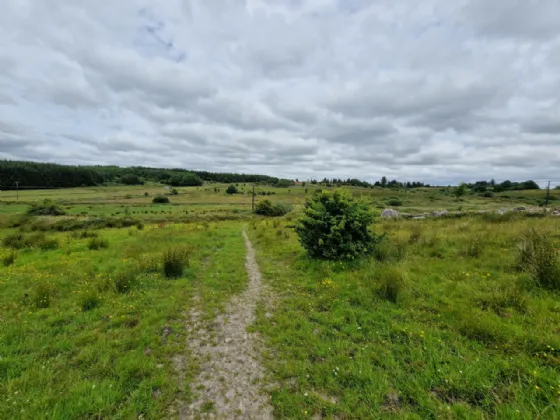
(438, 323)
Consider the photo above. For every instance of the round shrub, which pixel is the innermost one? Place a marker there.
(266, 208)
(160, 199)
(394, 202)
(335, 226)
(232, 189)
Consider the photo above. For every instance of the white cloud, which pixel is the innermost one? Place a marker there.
(435, 90)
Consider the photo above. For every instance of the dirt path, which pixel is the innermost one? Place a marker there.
(229, 385)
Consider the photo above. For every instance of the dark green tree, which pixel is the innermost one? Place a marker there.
(232, 189)
(335, 226)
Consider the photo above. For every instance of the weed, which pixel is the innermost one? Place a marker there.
(86, 234)
(149, 264)
(49, 244)
(42, 295)
(14, 241)
(391, 282)
(174, 261)
(415, 235)
(474, 247)
(9, 259)
(207, 407)
(89, 301)
(388, 250)
(125, 280)
(97, 243)
(537, 256)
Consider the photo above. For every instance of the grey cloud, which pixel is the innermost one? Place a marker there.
(521, 19)
(431, 90)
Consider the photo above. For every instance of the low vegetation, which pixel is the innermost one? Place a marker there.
(451, 316)
(174, 262)
(47, 208)
(160, 199)
(93, 334)
(447, 327)
(267, 208)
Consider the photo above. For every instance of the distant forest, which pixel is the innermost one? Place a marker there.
(49, 175)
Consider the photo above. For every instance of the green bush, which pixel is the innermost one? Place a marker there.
(387, 250)
(36, 240)
(124, 281)
(335, 226)
(232, 189)
(97, 243)
(174, 262)
(537, 256)
(86, 234)
(174, 191)
(90, 301)
(42, 295)
(47, 208)
(391, 283)
(474, 247)
(49, 244)
(160, 199)
(9, 259)
(394, 202)
(266, 208)
(14, 241)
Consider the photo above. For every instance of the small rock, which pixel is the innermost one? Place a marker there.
(228, 340)
(439, 213)
(389, 213)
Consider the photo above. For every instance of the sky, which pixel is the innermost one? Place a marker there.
(437, 91)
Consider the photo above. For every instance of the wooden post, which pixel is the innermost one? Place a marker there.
(547, 195)
(253, 201)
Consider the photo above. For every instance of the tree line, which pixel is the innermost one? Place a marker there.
(51, 175)
(383, 183)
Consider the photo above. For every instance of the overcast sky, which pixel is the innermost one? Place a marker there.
(434, 90)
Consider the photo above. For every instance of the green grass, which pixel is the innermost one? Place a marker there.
(91, 334)
(449, 330)
(439, 323)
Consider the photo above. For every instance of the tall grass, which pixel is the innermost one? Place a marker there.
(97, 243)
(174, 262)
(538, 257)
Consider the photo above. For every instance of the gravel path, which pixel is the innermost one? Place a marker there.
(230, 381)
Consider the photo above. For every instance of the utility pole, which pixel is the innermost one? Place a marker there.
(547, 195)
(253, 202)
(17, 190)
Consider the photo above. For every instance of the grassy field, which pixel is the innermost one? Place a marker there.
(440, 324)
(91, 333)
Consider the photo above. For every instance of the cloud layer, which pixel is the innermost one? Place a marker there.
(437, 91)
